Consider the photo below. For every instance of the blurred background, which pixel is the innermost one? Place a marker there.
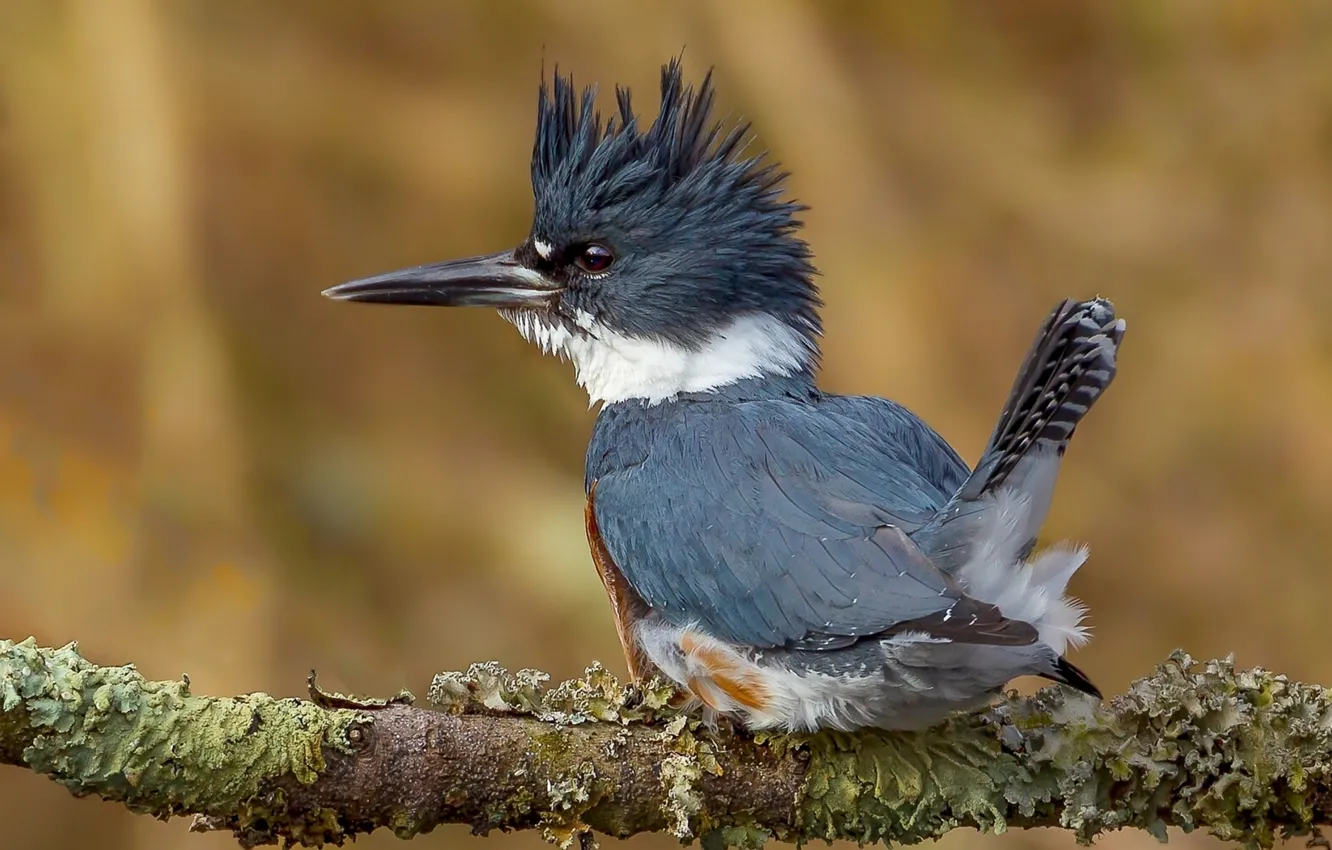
(205, 467)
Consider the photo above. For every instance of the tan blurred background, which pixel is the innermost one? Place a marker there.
(207, 468)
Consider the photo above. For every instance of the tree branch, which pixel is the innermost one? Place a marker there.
(1243, 754)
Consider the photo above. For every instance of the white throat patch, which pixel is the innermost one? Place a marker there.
(614, 367)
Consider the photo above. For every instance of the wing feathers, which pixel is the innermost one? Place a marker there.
(767, 525)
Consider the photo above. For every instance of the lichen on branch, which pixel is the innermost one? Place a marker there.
(1245, 755)
(154, 746)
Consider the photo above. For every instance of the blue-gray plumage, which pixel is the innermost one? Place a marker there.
(792, 558)
(793, 499)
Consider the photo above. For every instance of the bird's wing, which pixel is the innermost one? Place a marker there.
(775, 526)
(902, 435)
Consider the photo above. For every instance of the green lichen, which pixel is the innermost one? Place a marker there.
(571, 795)
(679, 778)
(743, 834)
(1193, 746)
(693, 755)
(899, 786)
(155, 747)
(488, 688)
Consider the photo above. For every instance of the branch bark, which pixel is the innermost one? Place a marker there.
(1244, 754)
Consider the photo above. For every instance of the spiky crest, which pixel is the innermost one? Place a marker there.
(611, 160)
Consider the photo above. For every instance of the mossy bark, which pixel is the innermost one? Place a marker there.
(1245, 755)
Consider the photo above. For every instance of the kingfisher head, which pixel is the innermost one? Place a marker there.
(661, 260)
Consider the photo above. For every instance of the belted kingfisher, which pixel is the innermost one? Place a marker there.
(793, 558)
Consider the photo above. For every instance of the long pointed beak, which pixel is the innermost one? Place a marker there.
(495, 280)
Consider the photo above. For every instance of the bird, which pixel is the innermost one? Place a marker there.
(791, 559)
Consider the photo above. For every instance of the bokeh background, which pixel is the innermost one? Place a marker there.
(207, 468)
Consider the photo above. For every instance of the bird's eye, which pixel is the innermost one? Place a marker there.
(593, 258)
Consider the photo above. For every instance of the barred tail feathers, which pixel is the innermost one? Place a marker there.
(1069, 365)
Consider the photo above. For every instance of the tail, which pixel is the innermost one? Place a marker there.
(1070, 364)
(985, 534)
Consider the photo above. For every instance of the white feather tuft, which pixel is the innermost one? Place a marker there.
(1032, 591)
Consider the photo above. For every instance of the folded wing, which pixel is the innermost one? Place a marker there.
(772, 526)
